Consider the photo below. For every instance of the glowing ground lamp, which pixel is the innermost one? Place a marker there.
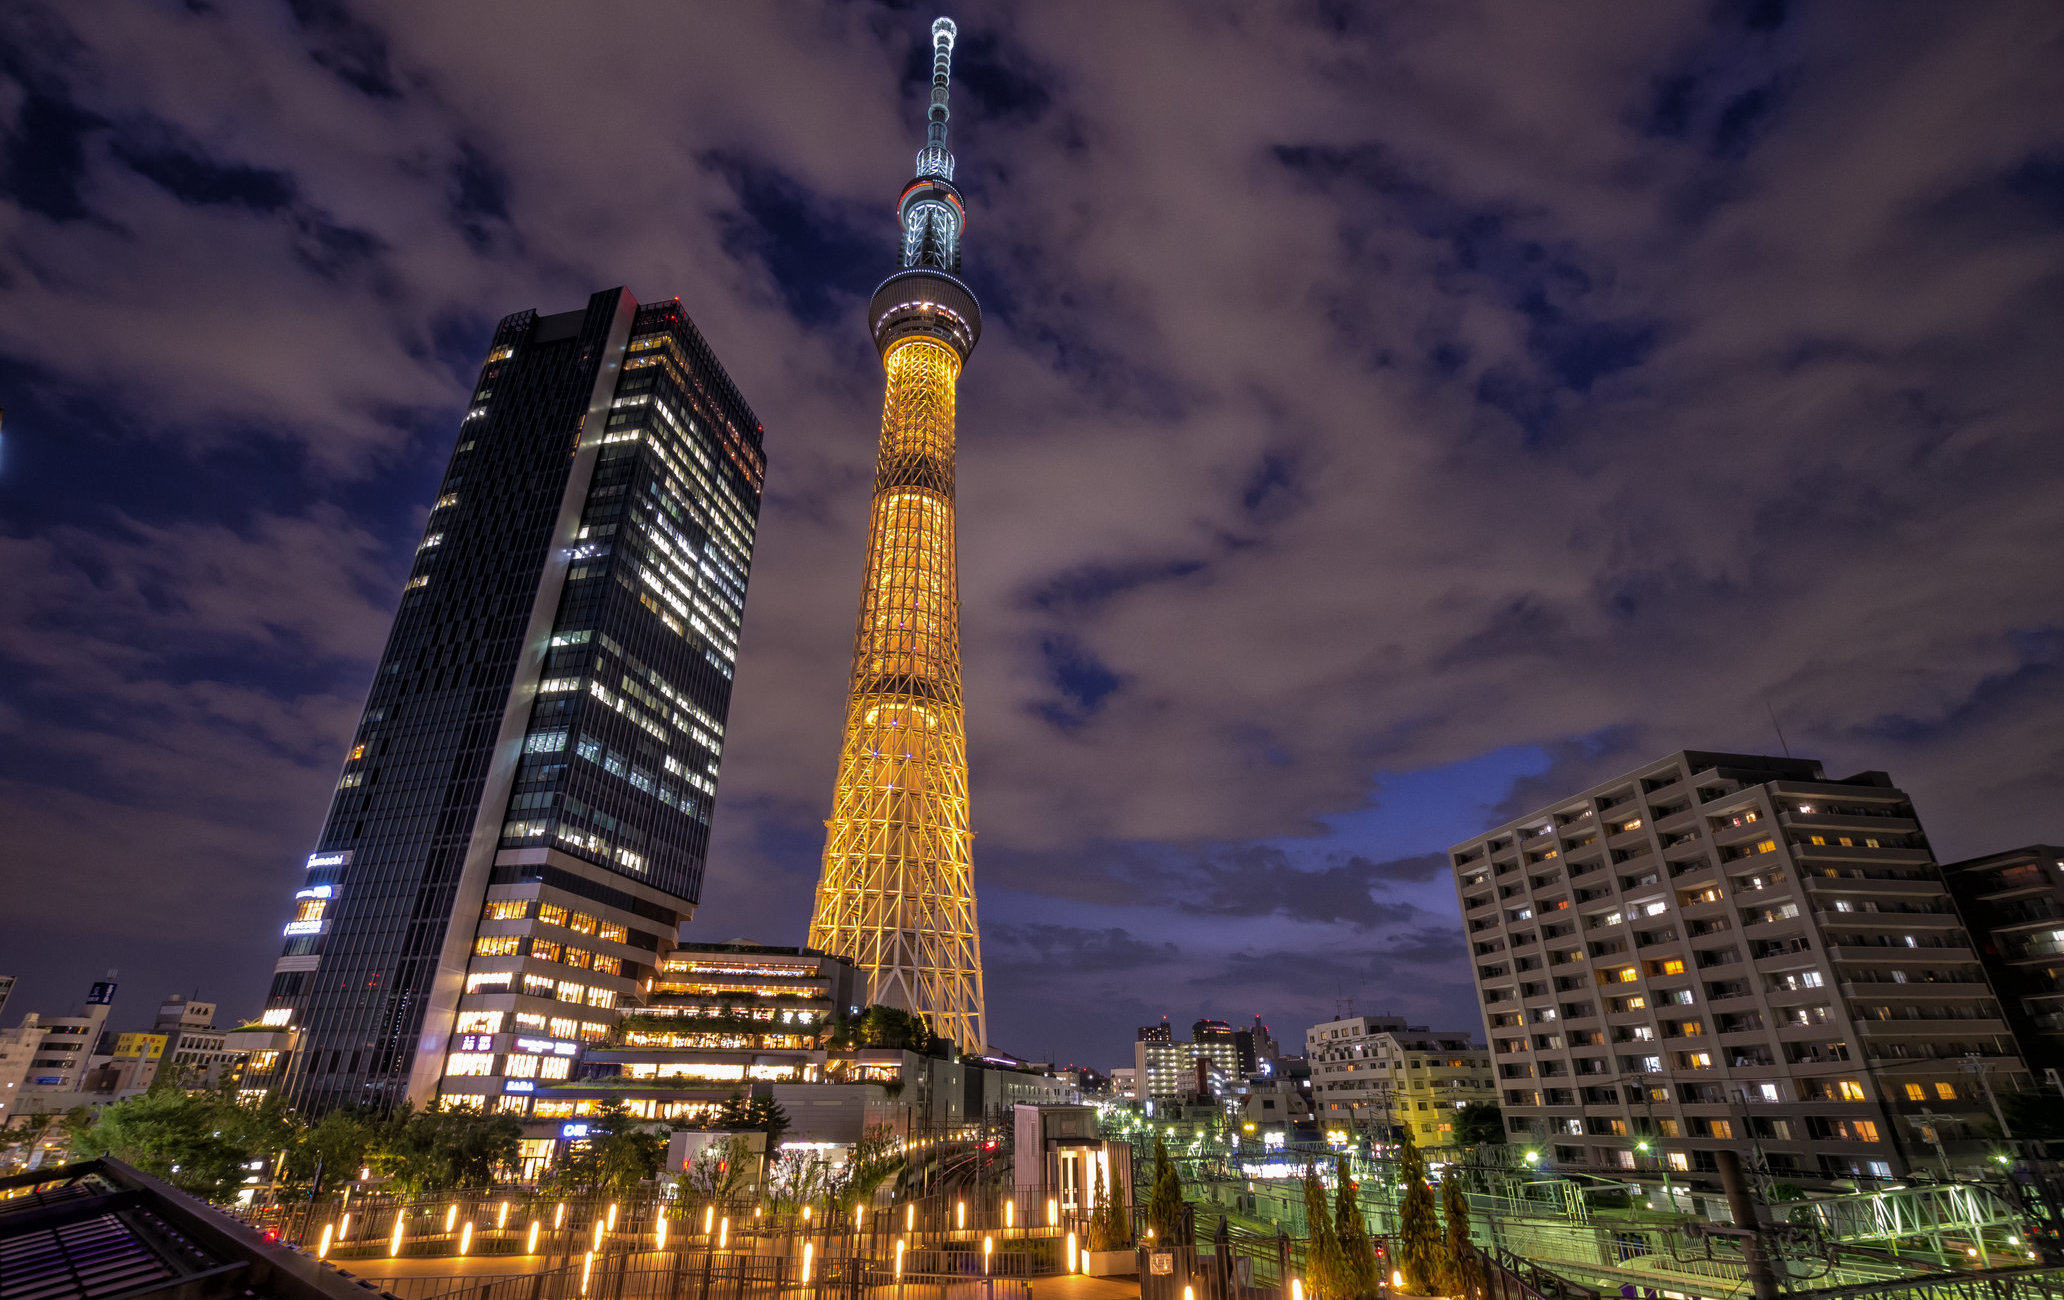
(530, 1246)
(1296, 1288)
(322, 1248)
(724, 1232)
(959, 1214)
(909, 1218)
(899, 1259)
(466, 1237)
(809, 1248)
(1071, 1253)
(1053, 1212)
(659, 1233)
(451, 1216)
(344, 1228)
(502, 1219)
(598, 1235)
(587, 1266)
(1010, 1215)
(394, 1245)
(988, 1244)
(612, 1216)
(709, 1220)
(559, 1217)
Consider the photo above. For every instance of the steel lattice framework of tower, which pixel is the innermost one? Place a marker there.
(897, 895)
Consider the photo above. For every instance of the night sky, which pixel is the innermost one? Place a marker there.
(1389, 417)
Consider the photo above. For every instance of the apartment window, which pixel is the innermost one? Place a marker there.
(480, 1022)
(495, 945)
(1945, 1092)
(469, 1064)
(520, 1066)
(544, 950)
(568, 991)
(555, 1067)
(1850, 1090)
(614, 933)
(1915, 1092)
(506, 909)
(551, 914)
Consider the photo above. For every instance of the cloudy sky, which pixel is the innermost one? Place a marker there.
(1389, 416)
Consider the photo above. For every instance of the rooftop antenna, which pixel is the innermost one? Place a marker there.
(1775, 727)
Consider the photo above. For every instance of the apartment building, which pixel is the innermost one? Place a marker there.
(1725, 950)
(2013, 902)
(1381, 1073)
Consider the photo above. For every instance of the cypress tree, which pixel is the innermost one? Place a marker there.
(1461, 1275)
(1419, 1240)
(1322, 1261)
(1164, 1207)
(1360, 1279)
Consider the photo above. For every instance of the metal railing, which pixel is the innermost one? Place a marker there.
(696, 1276)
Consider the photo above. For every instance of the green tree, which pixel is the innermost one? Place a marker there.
(618, 1155)
(200, 1142)
(1165, 1204)
(739, 1112)
(1480, 1124)
(441, 1148)
(722, 1173)
(1419, 1242)
(1324, 1267)
(1461, 1272)
(339, 1145)
(1360, 1277)
(1110, 1224)
(886, 1026)
(876, 1158)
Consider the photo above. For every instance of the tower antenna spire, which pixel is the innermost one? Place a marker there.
(935, 159)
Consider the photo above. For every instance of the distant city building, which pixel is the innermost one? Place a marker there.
(1722, 950)
(194, 1048)
(1168, 1071)
(130, 1068)
(1379, 1073)
(6, 991)
(66, 1051)
(522, 815)
(1160, 1033)
(18, 1049)
(1125, 1083)
(2013, 901)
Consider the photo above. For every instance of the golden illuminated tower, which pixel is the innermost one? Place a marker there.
(897, 896)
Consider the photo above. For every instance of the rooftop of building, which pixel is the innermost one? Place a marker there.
(1745, 769)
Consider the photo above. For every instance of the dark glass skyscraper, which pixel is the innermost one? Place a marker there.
(522, 817)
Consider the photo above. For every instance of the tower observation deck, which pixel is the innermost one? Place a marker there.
(897, 893)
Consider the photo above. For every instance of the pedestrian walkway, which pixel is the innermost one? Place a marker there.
(1076, 1286)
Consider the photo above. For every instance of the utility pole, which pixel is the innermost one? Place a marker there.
(1757, 1247)
(1983, 1070)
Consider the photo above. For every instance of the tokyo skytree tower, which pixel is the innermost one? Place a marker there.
(897, 895)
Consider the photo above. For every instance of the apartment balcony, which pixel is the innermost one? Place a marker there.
(1731, 836)
(1685, 818)
(1862, 853)
(1860, 823)
(1884, 1030)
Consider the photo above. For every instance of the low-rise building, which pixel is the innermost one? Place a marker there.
(1381, 1074)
